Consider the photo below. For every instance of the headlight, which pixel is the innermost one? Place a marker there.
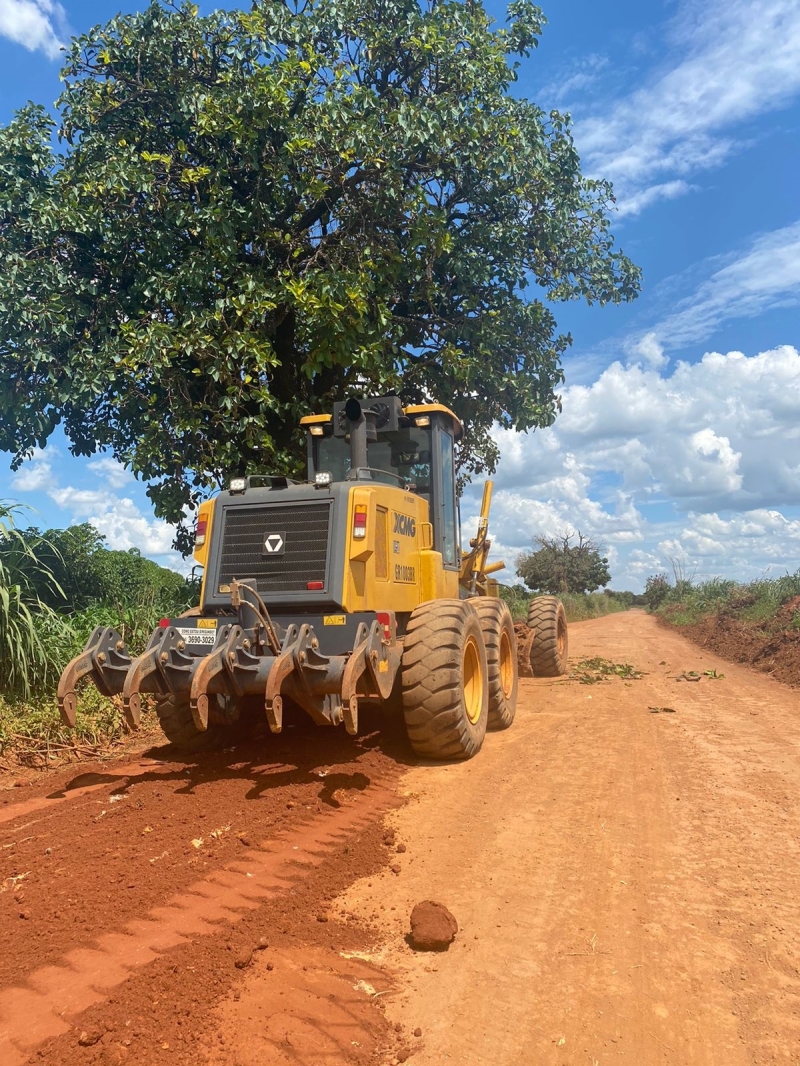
(323, 478)
(237, 484)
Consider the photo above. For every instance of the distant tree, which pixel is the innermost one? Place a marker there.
(563, 564)
(656, 590)
(80, 570)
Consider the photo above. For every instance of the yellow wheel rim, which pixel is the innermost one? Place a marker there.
(562, 637)
(506, 665)
(473, 681)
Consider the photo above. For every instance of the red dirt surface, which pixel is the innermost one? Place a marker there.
(774, 649)
(623, 864)
(129, 892)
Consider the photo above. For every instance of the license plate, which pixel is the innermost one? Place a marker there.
(198, 636)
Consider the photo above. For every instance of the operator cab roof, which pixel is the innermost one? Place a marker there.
(410, 412)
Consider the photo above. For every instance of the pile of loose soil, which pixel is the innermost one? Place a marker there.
(773, 649)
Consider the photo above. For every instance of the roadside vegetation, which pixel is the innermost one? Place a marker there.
(754, 622)
(685, 602)
(55, 588)
(579, 606)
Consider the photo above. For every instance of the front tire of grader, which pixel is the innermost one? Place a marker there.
(445, 680)
(177, 724)
(550, 650)
(500, 639)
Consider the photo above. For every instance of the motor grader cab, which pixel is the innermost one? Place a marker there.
(351, 587)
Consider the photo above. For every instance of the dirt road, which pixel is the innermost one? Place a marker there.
(623, 864)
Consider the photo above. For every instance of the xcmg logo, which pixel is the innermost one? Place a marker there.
(405, 525)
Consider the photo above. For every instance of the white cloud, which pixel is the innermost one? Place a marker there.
(582, 75)
(649, 349)
(734, 60)
(759, 541)
(112, 472)
(35, 24)
(718, 440)
(117, 518)
(766, 275)
(36, 474)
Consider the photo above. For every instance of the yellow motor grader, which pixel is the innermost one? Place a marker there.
(351, 587)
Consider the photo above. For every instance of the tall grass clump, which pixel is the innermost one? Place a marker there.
(757, 601)
(32, 635)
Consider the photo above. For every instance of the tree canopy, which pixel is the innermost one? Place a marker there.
(564, 564)
(253, 213)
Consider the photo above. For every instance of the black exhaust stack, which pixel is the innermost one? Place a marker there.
(361, 420)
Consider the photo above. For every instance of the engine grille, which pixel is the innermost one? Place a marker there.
(304, 528)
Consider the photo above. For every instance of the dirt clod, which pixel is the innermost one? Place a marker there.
(401, 849)
(262, 944)
(244, 958)
(418, 1031)
(433, 927)
(396, 868)
(89, 1038)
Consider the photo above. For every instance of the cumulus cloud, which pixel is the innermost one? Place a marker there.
(650, 349)
(117, 517)
(36, 475)
(38, 25)
(760, 541)
(658, 465)
(109, 470)
(734, 60)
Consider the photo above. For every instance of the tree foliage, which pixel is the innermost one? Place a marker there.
(656, 590)
(253, 213)
(76, 569)
(564, 564)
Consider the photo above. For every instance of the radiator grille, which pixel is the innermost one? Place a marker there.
(304, 529)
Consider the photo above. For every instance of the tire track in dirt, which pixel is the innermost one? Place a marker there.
(624, 876)
(324, 807)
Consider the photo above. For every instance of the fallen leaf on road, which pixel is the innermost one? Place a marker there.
(197, 842)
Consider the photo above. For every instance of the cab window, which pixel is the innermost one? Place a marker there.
(449, 524)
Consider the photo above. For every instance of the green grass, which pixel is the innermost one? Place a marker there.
(578, 606)
(757, 602)
(32, 732)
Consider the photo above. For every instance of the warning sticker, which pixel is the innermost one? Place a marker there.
(206, 623)
(334, 619)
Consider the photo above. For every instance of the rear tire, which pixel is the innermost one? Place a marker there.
(445, 680)
(550, 651)
(500, 639)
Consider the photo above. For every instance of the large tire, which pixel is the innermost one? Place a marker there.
(177, 724)
(500, 639)
(445, 680)
(550, 650)
(175, 719)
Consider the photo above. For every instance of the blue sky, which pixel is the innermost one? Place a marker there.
(680, 435)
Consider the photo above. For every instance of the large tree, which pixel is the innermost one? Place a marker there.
(251, 214)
